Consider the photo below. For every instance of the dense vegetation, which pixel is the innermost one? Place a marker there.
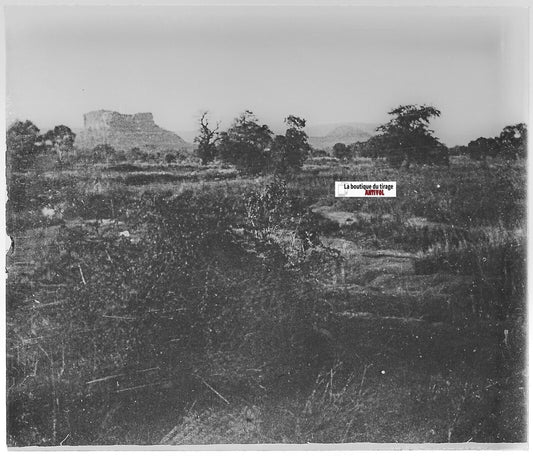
(253, 148)
(166, 295)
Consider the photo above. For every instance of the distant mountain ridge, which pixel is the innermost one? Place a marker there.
(326, 136)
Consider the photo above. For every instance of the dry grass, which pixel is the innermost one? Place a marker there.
(379, 390)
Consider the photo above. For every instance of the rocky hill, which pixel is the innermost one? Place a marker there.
(347, 134)
(124, 132)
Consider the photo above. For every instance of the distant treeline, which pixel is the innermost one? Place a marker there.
(253, 148)
(511, 144)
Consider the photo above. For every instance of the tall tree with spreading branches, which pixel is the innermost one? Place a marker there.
(246, 144)
(408, 138)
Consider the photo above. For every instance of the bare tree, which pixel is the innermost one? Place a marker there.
(206, 140)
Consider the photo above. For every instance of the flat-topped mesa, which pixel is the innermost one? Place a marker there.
(97, 120)
(125, 131)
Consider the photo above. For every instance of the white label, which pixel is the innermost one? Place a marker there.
(365, 189)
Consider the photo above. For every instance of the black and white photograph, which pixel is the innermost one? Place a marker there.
(267, 224)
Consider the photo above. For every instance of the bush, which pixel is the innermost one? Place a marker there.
(171, 294)
(342, 151)
(103, 152)
(170, 158)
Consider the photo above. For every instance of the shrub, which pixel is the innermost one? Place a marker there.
(170, 158)
(341, 151)
(176, 290)
(103, 152)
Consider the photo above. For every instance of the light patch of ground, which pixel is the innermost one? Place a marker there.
(344, 218)
(361, 266)
(383, 283)
(422, 222)
(28, 248)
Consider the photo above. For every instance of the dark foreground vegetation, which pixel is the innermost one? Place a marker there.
(179, 303)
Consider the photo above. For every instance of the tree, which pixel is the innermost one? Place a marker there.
(513, 141)
(289, 152)
(371, 148)
(481, 148)
(341, 151)
(510, 144)
(206, 140)
(246, 144)
(60, 140)
(23, 145)
(407, 136)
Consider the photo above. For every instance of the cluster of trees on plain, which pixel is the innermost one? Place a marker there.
(407, 139)
(511, 144)
(107, 153)
(253, 148)
(25, 143)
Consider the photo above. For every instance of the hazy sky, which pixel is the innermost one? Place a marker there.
(327, 64)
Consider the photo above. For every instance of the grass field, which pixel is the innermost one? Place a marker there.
(180, 304)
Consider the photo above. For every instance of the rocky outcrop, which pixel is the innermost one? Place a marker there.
(124, 132)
